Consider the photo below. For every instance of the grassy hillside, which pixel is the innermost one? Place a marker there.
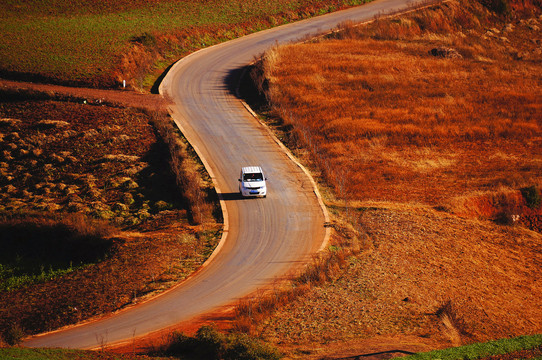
(425, 133)
(102, 43)
(388, 120)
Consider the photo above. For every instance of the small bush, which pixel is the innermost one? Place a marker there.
(13, 335)
(209, 343)
(179, 343)
(128, 198)
(145, 39)
(448, 314)
(206, 344)
(531, 196)
(243, 347)
(162, 205)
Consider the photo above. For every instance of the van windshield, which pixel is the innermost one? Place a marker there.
(253, 177)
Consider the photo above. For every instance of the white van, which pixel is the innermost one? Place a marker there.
(252, 182)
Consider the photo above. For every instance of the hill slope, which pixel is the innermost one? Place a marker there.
(426, 127)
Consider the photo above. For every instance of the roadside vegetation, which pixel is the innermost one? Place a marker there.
(101, 43)
(97, 211)
(209, 343)
(424, 132)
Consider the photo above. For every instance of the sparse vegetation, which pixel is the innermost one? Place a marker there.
(209, 343)
(398, 121)
(71, 189)
(187, 172)
(43, 171)
(40, 249)
(421, 128)
(326, 267)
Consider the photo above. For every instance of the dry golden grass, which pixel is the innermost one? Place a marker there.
(188, 172)
(419, 152)
(386, 120)
(419, 261)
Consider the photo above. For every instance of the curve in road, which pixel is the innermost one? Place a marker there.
(265, 238)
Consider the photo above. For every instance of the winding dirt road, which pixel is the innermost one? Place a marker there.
(264, 238)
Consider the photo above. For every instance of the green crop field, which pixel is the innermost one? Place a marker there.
(86, 42)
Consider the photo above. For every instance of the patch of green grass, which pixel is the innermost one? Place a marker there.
(82, 41)
(481, 350)
(17, 276)
(37, 250)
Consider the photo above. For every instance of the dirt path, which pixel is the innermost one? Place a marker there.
(118, 97)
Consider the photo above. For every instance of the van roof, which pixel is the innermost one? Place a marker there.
(251, 169)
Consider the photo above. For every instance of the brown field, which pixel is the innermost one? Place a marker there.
(388, 121)
(96, 178)
(434, 157)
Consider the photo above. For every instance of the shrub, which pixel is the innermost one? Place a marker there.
(209, 343)
(179, 343)
(13, 335)
(455, 324)
(120, 207)
(243, 347)
(161, 205)
(143, 214)
(146, 39)
(128, 198)
(531, 195)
